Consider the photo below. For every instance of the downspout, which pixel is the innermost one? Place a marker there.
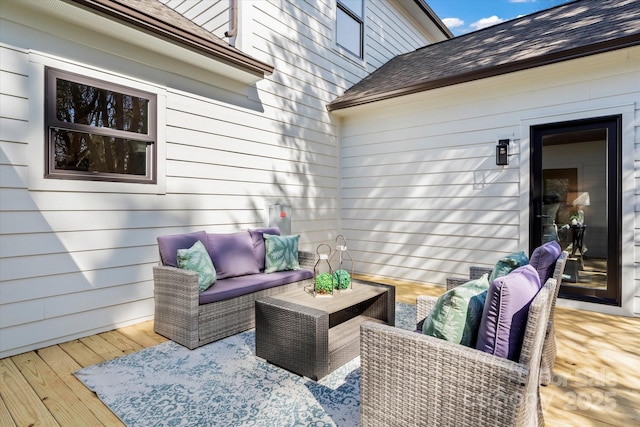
(233, 8)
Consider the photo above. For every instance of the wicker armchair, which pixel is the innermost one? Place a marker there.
(550, 349)
(410, 379)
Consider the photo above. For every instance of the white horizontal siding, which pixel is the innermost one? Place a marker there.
(70, 304)
(212, 15)
(55, 284)
(259, 134)
(77, 325)
(309, 33)
(12, 83)
(13, 148)
(422, 198)
(62, 263)
(75, 262)
(43, 288)
(13, 107)
(382, 45)
(13, 176)
(88, 220)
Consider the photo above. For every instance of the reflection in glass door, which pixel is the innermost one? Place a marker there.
(576, 202)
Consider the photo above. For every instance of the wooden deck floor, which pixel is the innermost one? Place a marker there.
(596, 383)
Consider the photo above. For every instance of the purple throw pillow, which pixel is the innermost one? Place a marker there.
(544, 259)
(169, 245)
(505, 313)
(232, 254)
(257, 239)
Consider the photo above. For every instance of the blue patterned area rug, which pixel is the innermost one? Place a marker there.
(224, 384)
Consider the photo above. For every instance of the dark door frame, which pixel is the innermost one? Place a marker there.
(613, 124)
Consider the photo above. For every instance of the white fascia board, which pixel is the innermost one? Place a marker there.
(69, 18)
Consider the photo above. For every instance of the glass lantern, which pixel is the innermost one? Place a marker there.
(323, 273)
(342, 264)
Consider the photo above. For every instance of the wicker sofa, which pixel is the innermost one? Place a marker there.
(419, 380)
(193, 318)
(549, 351)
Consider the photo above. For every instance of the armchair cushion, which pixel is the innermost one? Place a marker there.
(232, 254)
(507, 264)
(504, 318)
(197, 259)
(169, 245)
(456, 314)
(281, 253)
(544, 259)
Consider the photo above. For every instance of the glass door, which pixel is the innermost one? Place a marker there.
(575, 200)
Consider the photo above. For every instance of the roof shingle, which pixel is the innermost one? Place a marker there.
(573, 30)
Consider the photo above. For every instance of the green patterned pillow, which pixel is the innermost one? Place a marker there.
(281, 253)
(197, 259)
(456, 314)
(507, 264)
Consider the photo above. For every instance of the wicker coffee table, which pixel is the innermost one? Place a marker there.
(314, 336)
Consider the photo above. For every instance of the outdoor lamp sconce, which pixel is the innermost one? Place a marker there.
(502, 152)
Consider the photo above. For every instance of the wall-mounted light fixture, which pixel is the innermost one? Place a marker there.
(502, 152)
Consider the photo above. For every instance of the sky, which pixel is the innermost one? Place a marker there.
(464, 16)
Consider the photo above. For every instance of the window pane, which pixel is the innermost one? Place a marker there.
(84, 152)
(355, 6)
(349, 33)
(93, 106)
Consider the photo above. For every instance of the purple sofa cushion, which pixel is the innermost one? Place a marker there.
(232, 254)
(242, 285)
(169, 245)
(544, 259)
(505, 312)
(257, 239)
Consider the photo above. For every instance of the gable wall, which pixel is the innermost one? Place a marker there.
(422, 197)
(212, 15)
(76, 257)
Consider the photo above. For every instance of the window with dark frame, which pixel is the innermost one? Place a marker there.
(98, 131)
(350, 26)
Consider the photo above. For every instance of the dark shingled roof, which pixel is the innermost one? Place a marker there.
(155, 17)
(573, 30)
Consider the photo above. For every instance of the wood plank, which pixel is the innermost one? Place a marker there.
(102, 347)
(143, 334)
(5, 416)
(125, 344)
(595, 376)
(64, 366)
(59, 399)
(82, 354)
(406, 292)
(578, 403)
(23, 403)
